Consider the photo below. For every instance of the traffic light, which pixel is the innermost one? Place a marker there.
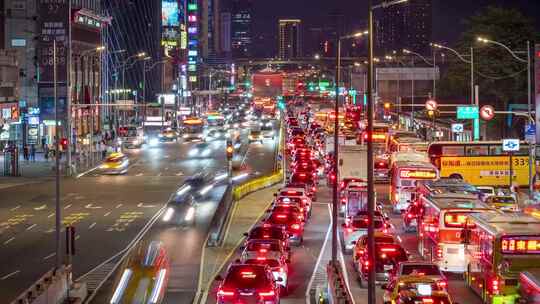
(431, 113)
(387, 106)
(64, 143)
(229, 150)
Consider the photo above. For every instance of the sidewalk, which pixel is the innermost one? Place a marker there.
(245, 214)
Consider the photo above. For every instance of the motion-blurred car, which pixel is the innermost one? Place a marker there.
(168, 135)
(144, 276)
(218, 133)
(503, 202)
(181, 211)
(200, 150)
(420, 285)
(115, 163)
(255, 135)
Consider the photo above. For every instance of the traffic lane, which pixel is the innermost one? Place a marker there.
(458, 290)
(260, 157)
(183, 244)
(303, 259)
(110, 217)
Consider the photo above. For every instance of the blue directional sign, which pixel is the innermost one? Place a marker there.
(457, 128)
(530, 132)
(510, 145)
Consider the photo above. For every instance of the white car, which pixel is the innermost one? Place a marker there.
(275, 260)
(296, 192)
(357, 227)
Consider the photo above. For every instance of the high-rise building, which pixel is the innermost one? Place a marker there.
(404, 26)
(241, 28)
(290, 38)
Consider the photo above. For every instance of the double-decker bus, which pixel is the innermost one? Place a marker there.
(440, 226)
(404, 175)
(482, 163)
(499, 247)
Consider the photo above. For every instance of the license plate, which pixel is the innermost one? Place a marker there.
(388, 267)
(452, 250)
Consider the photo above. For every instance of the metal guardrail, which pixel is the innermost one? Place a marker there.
(337, 289)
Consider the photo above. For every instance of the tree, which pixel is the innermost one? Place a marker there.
(501, 78)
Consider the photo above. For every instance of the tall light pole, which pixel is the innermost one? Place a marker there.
(530, 97)
(371, 186)
(462, 58)
(335, 199)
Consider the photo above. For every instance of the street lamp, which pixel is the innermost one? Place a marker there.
(371, 186)
(335, 199)
(530, 96)
(406, 51)
(462, 58)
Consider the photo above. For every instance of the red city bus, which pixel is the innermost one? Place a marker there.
(440, 226)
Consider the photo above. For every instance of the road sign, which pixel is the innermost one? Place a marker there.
(457, 128)
(467, 112)
(530, 132)
(487, 112)
(510, 145)
(431, 105)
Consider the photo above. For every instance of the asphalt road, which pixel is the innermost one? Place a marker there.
(108, 212)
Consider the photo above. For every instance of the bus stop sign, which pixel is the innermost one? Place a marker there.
(510, 145)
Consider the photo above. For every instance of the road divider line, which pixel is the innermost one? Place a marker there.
(30, 228)
(50, 215)
(319, 259)
(92, 225)
(15, 208)
(118, 206)
(86, 172)
(341, 259)
(7, 276)
(49, 256)
(9, 241)
(107, 214)
(139, 174)
(67, 206)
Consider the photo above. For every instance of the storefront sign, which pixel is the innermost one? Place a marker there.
(9, 112)
(54, 16)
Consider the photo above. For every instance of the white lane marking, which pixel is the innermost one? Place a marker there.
(86, 172)
(49, 256)
(51, 215)
(92, 225)
(9, 241)
(159, 174)
(139, 174)
(180, 173)
(118, 206)
(67, 206)
(167, 156)
(107, 214)
(77, 237)
(42, 207)
(142, 205)
(319, 259)
(166, 168)
(7, 276)
(32, 226)
(15, 208)
(91, 206)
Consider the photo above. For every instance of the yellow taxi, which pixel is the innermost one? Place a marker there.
(436, 297)
(115, 163)
(422, 286)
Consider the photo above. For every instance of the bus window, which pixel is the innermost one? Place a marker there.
(452, 150)
(496, 150)
(475, 150)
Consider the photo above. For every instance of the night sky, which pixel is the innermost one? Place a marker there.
(447, 14)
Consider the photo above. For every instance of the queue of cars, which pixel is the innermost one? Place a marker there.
(261, 274)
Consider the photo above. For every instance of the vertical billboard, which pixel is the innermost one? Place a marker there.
(54, 16)
(170, 23)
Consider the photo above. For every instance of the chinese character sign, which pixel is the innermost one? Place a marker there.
(54, 26)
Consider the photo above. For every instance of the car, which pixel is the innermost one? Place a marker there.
(421, 285)
(485, 192)
(267, 246)
(168, 135)
(503, 202)
(422, 268)
(114, 163)
(147, 265)
(410, 217)
(310, 191)
(268, 231)
(271, 254)
(386, 259)
(308, 179)
(248, 283)
(293, 204)
(412, 297)
(255, 135)
(181, 210)
(291, 221)
(218, 133)
(295, 195)
(361, 244)
(357, 227)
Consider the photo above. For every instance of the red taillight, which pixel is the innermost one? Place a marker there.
(267, 293)
(349, 230)
(261, 259)
(263, 250)
(442, 284)
(295, 226)
(314, 188)
(281, 216)
(225, 293)
(409, 215)
(342, 185)
(388, 249)
(304, 200)
(495, 286)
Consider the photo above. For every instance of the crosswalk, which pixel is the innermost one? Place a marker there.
(94, 278)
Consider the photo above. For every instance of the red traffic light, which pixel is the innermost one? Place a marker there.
(64, 143)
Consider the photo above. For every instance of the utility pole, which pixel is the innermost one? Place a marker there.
(335, 199)
(57, 163)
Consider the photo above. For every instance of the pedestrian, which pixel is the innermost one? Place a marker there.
(103, 150)
(46, 152)
(25, 152)
(43, 142)
(33, 153)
